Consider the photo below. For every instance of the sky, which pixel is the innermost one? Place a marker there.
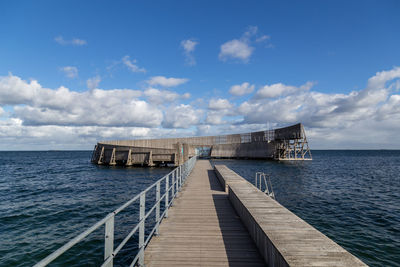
(73, 73)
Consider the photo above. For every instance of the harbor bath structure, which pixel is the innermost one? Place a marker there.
(289, 143)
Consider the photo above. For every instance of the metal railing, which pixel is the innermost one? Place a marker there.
(178, 177)
(263, 177)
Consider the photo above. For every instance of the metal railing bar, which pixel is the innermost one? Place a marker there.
(160, 180)
(135, 259)
(72, 242)
(150, 235)
(138, 195)
(129, 202)
(108, 260)
(162, 215)
(126, 239)
(149, 212)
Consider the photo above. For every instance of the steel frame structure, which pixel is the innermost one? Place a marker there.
(293, 149)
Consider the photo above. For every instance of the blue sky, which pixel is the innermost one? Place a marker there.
(332, 65)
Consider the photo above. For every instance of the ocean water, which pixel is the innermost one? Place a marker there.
(47, 198)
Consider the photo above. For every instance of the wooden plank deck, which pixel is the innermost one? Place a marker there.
(202, 228)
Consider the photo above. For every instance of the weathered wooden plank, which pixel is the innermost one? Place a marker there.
(202, 228)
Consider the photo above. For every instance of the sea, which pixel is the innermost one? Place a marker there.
(49, 197)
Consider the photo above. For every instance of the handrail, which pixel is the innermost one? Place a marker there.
(268, 184)
(178, 178)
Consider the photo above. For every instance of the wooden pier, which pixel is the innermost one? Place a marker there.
(202, 228)
(214, 217)
(220, 219)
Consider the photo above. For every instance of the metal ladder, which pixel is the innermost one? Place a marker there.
(263, 177)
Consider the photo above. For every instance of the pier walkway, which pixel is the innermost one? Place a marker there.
(215, 217)
(202, 228)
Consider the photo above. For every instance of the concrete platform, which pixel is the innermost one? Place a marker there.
(282, 238)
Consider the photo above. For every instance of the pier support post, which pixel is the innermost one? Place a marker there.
(101, 157)
(94, 154)
(129, 159)
(112, 160)
(150, 160)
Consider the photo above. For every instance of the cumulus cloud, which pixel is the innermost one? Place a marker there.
(182, 116)
(241, 89)
(279, 89)
(93, 82)
(166, 82)
(70, 71)
(35, 105)
(218, 104)
(235, 49)
(75, 41)
(132, 64)
(241, 49)
(188, 48)
(332, 117)
(218, 109)
(34, 115)
(157, 96)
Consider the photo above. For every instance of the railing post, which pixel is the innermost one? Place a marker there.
(173, 188)
(141, 228)
(109, 240)
(180, 184)
(157, 208)
(177, 185)
(166, 195)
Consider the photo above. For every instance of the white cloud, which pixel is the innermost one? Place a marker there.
(131, 64)
(78, 42)
(15, 136)
(263, 38)
(235, 49)
(218, 109)
(215, 117)
(166, 82)
(35, 117)
(365, 118)
(189, 47)
(70, 71)
(35, 105)
(182, 116)
(93, 82)
(163, 96)
(75, 41)
(241, 49)
(241, 89)
(219, 104)
(279, 89)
